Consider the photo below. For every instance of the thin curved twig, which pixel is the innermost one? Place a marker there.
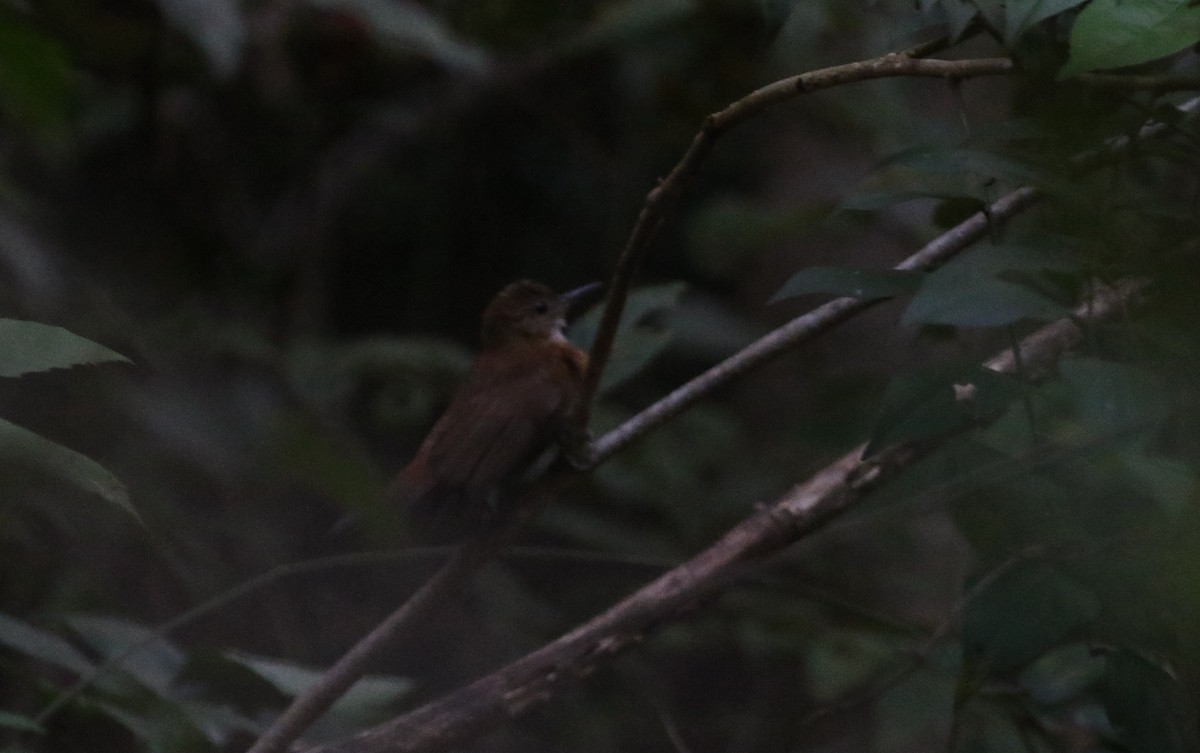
(662, 198)
(824, 317)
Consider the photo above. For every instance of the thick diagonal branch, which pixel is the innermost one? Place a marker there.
(537, 677)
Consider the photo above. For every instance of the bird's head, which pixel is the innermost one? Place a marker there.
(528, 310)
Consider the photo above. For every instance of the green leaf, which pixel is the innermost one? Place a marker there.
(42, 645)
(1023, 614)
(952, 172)
(33, 346)
(35, 75)
(160, 726)
(1021, 15)
(967, 292)
(1113, 398)
(20, 722)
(367, 701)
(840, 660)
(928, 403)
(1062, 674)
(959, 14)
(1149, 709)
(1118, 33)
(25, 449)
(638, 341)
(859, 283)
(1171, 483)
(986, 303)
(954, 160)
(155, 663)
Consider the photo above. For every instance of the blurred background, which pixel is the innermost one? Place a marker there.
(289, 215)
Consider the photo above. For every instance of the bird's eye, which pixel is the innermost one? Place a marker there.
(541, 307)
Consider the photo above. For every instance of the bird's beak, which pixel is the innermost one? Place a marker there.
(572, 297)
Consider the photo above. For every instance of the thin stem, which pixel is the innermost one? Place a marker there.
(663, 198)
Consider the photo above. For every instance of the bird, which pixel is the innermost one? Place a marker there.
(520, 395)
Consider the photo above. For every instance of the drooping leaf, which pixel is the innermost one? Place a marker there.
(1118, 33)
(20, 722)
(1024, 613)
(23, 448)
(368, 701)
(42, 645)
(1021, 15)
(914, 711)
(1113, 398)
(1169, 482)
(958, 171)
(968, 292)
(840, 660)
(27, 347)
(637, 341)
(859, 283)
(935, 401)
(1149, 709)
(156, 661)
(157, 725)
(1062, 674)
(986, 303)
(959, 15)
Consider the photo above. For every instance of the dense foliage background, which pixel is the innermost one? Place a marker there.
(281, 220)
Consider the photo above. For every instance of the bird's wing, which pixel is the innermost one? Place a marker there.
(492, 431)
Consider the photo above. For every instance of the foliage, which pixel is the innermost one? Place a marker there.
(289, 217)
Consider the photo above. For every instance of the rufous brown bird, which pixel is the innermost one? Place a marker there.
(519, 395)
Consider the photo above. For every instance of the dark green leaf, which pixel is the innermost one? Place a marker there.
(32, 346)
(156, 661)
(366, 702)
(42, 645)
(1024, 613)
(638, 342)
(859, 283)
(1062, 674)
(1023, 14)
(987, 303)
(967, 292)
(1117, 33)
(25, 449)
(20, 723)
(1113, 398)
(959, 15)
(160, 726)
(929, 403)
(840, 660)
(1150, 711)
